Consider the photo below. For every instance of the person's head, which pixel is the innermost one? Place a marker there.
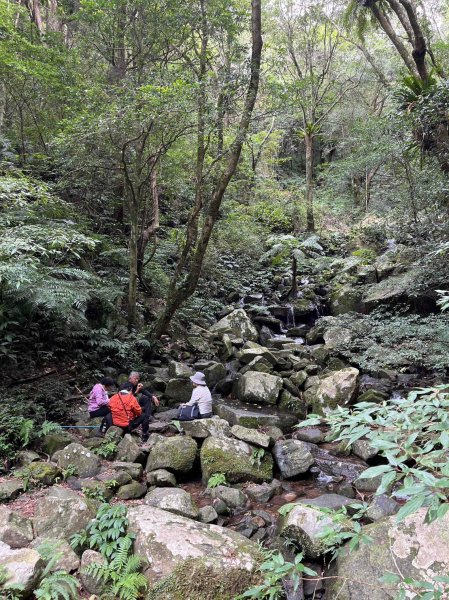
(134, 377)
(198, 379)
(107, 382)
(126, 387)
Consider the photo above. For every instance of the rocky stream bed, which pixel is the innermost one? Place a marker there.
(269, 362)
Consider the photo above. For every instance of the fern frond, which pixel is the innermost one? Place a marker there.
(57, 586)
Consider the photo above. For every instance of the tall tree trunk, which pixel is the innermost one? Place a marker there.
(150, 226)
(2, 104)
(35, 12)
(368, 182)
(53, 23)
(192, 223)
(419, 43)
(308, 140)
(133, 271)
(294, 277)
(181, 291)
(386, 25)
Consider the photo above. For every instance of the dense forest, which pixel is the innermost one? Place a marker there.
(256, 191)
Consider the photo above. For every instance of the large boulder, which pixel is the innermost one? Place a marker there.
(200, 429)
(174, 500)
(247, 415)
(336, 337)
(175, 454)
(161, 478)
(293, 457)
(337, 389)
(90, 583)
(178, 390)
(66, 559)
(56, 440)
(169, 542)
(23, 568)
(178, 370)
(232, 497)
(346, 298)
(306, 526)
(132, 491)
(252, 436)
(238, 324)
(259, 388)
(15, 530)
(382, 506)
(61, 513)
(134, 470)
(412, 548)
(236, 459)
(252, 351)
(86, 463)
(10, 489)
(26, 457)
(42, 473)
(404, 288)
(128, 450)
(214, 373)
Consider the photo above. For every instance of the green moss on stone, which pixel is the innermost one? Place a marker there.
(215, 460)
(193, 579)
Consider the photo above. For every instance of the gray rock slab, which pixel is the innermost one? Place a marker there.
(174, 500)
(252, 416)
(166, 540)
(292, 457)
(252, 436)
(23, 568)
(86, 463)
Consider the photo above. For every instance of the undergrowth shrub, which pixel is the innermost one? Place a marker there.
(15, 433)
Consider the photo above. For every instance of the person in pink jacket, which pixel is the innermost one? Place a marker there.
(98, 398)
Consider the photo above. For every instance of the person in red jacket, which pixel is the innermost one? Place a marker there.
(126, 411)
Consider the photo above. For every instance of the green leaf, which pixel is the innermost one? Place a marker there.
(286, 508)
(411, 507)
(390, 578)
(375, 471)
(386, 482)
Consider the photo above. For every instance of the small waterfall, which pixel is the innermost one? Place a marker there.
(391, 245)
(241, 302)
(290, 316)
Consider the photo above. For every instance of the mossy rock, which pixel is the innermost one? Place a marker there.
(372, 396)
(413, 548)
(195, 579)
(345, 299)
(55, 441)
(292, 404)
(175, 454)
(41, 473)
(191, 560)
(234, 458)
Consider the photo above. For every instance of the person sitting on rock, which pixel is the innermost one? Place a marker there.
(126, 411)
(147, 400)
(201, 395)
(98, 398)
